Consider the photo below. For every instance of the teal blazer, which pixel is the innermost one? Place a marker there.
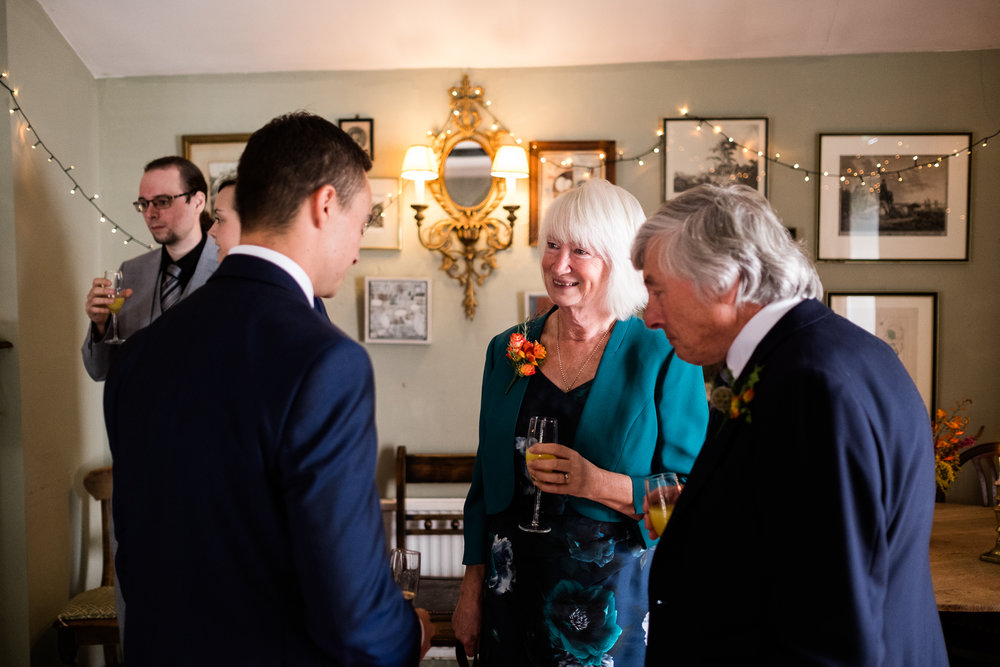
(646, 412)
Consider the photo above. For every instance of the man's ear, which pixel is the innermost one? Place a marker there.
(199, 200)
(323, 204)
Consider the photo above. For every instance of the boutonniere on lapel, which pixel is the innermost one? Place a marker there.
(734, 401)
(524, 355)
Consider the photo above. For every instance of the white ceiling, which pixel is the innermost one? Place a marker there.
(117, 38)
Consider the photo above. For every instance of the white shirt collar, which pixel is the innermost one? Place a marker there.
(753, 332)
(283, 262)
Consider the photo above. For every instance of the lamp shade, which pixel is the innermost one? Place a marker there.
(419, 164)
(510, 162)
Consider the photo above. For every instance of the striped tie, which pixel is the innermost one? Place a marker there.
(170, 287)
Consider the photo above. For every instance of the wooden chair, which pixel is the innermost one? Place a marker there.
(986, 458)
(438, 595)
(90, 619)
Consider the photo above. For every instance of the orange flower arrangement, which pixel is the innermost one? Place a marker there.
(524, 355)
(949, 429)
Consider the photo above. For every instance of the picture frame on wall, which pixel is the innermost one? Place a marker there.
(536, 304)
(397, 310)
(906, 321)
(362, 130)
(717, 150)
(385, 231)
(894, 197)
(558, 166)
(215, 154)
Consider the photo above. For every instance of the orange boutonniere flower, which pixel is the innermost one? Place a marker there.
(735, 402)
(524, 355)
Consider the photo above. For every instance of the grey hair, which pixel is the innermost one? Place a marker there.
(603, 218)
(715, 236)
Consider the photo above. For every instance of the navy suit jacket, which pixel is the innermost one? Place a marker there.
(802, 535)
(242, 429)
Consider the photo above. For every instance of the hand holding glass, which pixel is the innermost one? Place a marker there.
(117, 288)
(540, 429)
(405, 565)
(662, 491)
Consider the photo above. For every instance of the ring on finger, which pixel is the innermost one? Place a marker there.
(565, 478)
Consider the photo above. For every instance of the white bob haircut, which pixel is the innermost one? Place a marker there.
(603, 218)
(717, 235)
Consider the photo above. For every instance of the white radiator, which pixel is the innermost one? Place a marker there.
(440, 555)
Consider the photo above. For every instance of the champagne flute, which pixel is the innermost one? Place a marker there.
(405, 565)
(117, 279)
(540, 429)
(662, 491)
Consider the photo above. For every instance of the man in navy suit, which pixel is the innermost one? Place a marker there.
(242, 429)
(802, 534)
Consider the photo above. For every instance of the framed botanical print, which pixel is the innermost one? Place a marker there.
(719, 150)
(894, 197)
(397, 310)
(558, 166)
(536, 304)
(906, 321)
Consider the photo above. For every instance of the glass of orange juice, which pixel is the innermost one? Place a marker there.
(662, 491)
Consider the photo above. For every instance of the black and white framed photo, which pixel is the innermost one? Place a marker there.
(894, 197)
(397, 310)
(217, 155)
(907, 321)
(385, 231)
(718, 150)
(362, 130)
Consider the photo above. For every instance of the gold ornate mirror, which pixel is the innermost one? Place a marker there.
(468, 193)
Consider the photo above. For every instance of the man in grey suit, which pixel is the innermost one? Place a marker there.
(172, 196)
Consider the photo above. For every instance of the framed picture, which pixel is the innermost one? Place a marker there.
(719, 150)
(384, 232)
(362, 130)
(536, 304)
(894, 197)
(397, 310)
(215, 154)
(906, 321)
(558, 166)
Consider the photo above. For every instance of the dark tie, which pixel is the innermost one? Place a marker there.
(170, 287)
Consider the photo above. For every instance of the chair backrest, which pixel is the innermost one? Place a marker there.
(98, 485)
(428, 469)
(986, 458)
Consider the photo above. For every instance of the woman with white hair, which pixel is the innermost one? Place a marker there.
(627, 408)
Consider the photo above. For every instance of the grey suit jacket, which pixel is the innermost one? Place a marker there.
(142, 275)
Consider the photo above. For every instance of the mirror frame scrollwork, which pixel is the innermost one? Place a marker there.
(469, 238)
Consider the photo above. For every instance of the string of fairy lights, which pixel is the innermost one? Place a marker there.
(39, 144)
(881, 171)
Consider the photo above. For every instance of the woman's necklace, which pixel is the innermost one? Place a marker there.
(570, 385)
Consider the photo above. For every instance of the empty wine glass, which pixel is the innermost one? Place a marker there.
(540, 429)
(405, 565)
(117, 279)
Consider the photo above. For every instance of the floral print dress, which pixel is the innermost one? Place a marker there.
(574, 596)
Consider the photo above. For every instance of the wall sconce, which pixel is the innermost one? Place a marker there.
(419, 166)
(469, 172)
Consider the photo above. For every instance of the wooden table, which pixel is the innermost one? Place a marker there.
(962, 582)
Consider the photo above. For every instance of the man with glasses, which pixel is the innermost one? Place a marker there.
(172, 196)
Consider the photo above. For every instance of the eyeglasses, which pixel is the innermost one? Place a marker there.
(159, 202)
